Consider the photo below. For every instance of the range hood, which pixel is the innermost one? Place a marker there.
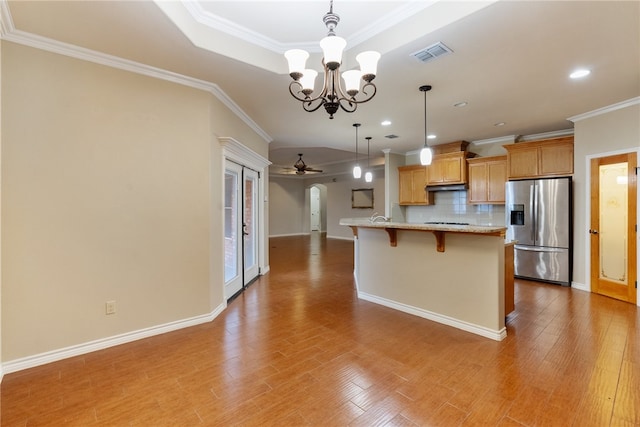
(452, 187)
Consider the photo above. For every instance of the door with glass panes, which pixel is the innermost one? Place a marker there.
(240, 228)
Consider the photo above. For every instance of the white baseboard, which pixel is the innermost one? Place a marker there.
(580, 286)
(497, 335)
(341, 238)
(100, 344)
(288, 235)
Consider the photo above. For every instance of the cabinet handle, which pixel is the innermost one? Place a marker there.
(593, 231)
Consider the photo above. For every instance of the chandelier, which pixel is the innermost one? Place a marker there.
(332, 95)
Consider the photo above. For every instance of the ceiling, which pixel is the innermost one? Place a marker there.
(510, 62)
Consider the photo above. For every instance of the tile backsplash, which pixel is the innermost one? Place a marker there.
(451, 206)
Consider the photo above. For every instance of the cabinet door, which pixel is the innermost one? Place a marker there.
(434, 172)
(406, 187)
(556, 159)
(419, 178)
(452, 170)
(496, 179)
(478, 180)
(523, 163)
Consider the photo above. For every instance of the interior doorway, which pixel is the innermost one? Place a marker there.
(612, 227)
(316, 196)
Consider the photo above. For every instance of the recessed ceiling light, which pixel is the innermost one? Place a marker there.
(385, 122)
(432, 136)
(460, 104)
(499, 124)
(582, 72)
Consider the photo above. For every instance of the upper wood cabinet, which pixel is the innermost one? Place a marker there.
(548, 157)
(413, 180)
(487, 178)
(449, 168)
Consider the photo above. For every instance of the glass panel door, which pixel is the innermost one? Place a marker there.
(612, 226)
(250, 225)
(233, 280)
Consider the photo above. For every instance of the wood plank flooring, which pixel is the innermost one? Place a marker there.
(299, 349)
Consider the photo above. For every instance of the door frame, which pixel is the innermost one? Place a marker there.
(587, 224)
(238, 153)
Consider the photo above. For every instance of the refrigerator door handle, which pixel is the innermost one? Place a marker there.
(533, 208)
(538, 249)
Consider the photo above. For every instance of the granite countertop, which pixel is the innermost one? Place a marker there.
(455, 228)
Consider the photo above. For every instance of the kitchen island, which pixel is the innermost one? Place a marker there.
(451, 274)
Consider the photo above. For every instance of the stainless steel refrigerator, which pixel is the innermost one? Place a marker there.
(539, 219)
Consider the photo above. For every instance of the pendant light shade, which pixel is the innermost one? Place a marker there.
(426, 155)
(357, 171)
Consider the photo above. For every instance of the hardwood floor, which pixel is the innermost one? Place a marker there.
(299, 349)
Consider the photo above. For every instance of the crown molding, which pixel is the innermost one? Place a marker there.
(6, 21)
(204, 17)
(605, 110)
(9, 33)
(545, 135)
(508, 139)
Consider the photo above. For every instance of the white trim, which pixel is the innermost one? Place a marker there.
(208, 19)
(6, 21)
(497, 335)
(49, 45)
(289, 235)
(580, 287)
(508, 139)
(351, 239)
(605, 110)
(242, 155)
(100, 344)
(546, 135)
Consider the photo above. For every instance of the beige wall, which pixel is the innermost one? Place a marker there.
(286, 200)
(289, 213)
(110, 183)
(615, 131)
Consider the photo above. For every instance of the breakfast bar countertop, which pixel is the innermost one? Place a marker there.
(454, 228)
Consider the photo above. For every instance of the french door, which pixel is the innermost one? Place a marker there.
(240, 228)
(613, 226)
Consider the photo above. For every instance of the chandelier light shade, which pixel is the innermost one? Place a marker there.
(357, 171)
(368, 176)
(426, 155)
(333, 94)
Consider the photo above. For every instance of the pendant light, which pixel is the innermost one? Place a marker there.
(368, 176)
(357, 171)
(425, 154)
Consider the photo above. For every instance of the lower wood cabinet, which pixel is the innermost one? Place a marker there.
(412, 181)
(487, 178)
(509, 293)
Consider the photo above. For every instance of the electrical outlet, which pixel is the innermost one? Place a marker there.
(110, 307)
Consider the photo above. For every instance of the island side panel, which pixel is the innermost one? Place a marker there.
(465, 282)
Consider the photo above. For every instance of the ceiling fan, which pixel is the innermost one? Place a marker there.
(302, 168)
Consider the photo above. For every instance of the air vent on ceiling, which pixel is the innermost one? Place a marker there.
(431, 52)
(392, 136)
